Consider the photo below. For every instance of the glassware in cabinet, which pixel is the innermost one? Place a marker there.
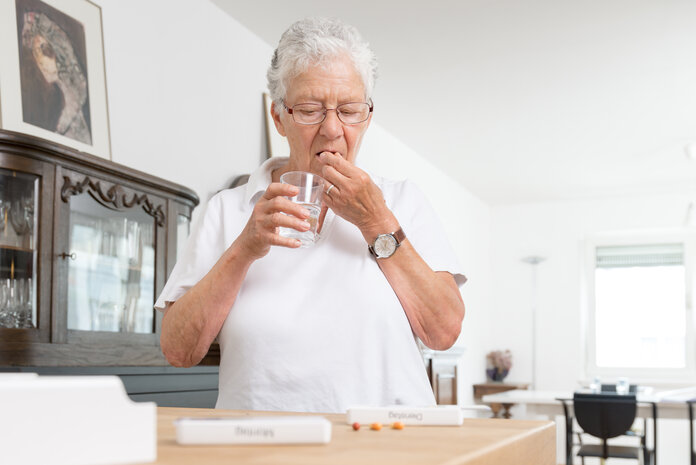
(18, 255)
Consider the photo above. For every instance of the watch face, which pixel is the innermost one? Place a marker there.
(385, 245)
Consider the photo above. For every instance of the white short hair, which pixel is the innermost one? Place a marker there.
(315, 40)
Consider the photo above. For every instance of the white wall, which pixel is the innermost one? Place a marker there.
(185, 83)
(557, 231)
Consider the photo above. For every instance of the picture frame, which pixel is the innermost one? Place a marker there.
(52, 73)
(277, 144)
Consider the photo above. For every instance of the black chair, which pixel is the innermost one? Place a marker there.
(606, 416)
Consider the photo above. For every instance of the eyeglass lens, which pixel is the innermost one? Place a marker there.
(312, 113)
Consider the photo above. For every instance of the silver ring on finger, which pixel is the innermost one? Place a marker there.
(329, 189)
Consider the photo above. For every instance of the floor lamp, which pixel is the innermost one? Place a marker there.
(534, 261)
(690, 218)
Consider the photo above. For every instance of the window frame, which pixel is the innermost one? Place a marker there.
(688, 240)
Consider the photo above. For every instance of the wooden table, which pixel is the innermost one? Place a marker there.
(545, 403)
(478, 441)
(492, 387)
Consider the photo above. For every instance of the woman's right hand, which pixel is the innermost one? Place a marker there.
(191, 323)
(272, 211)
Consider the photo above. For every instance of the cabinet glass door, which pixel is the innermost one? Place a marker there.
(111, 277)
(18, 219)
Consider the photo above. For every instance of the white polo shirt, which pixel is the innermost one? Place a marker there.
(315, 329)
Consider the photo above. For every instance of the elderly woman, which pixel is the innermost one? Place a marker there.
(333, 325)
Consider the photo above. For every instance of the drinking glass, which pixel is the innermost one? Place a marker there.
(5, 317)
(311, 189)
(14, 302)
(596, 385)
(622, 386)
(25, 314)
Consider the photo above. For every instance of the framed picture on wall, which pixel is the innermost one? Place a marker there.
(52, 76)
(277, 144)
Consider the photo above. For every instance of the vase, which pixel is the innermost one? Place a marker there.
(496, 374)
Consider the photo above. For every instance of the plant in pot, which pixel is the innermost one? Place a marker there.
(498, 364)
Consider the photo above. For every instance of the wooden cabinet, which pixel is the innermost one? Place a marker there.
(86, 246)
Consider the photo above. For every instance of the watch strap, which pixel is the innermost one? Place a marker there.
(399, 235)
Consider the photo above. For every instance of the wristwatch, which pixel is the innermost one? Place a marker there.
(386, 244)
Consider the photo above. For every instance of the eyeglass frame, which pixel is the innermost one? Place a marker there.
(326, 111)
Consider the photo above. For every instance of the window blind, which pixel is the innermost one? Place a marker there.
(640, 255)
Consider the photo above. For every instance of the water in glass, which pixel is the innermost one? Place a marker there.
(308, 237)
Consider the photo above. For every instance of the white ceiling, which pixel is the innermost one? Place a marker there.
(531, 100)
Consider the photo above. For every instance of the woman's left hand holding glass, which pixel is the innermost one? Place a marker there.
(355, 197)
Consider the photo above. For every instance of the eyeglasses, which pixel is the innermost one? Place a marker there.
(313, 113)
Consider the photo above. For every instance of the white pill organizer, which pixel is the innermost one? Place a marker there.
(439, 415)
(73, 420)
(293, 429)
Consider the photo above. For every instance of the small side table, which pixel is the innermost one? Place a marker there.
(494, 387)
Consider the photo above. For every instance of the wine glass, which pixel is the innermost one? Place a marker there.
(18, 218)
(4, 206)
(28, 204)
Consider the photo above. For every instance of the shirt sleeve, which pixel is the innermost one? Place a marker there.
(425, 231)
(203, 248)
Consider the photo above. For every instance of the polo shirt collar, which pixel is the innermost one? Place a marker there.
(261, 178)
